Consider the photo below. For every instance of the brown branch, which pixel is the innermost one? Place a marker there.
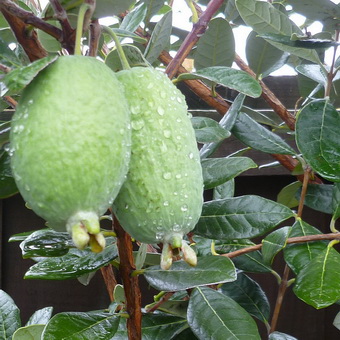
(292, 240)
(191, 39)
(165, 298)
(95, 32)
(10, 101)
(131, 287)
(5, 68)
(109, 279)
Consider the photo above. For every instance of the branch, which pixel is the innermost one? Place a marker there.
(190, 41)
(292, 240)
(131, 287)
(109, 279)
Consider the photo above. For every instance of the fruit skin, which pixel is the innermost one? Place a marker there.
(162, 197)
(70, 143)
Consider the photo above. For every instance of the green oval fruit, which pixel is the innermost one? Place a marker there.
(162, 197)
(70, 144)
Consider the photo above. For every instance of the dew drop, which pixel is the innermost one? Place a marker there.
(175, 193)
(184, 207)
(179, 99)
(150, 86)
(159, 236)
(167, 133)
(30, 102)
(191, 155)
(166, 203)
(137, 124)
(126, 207)
(27, 188)
(176, 227)
(178, 176)
(167, 175)
(163, 94)
(160, 111)
(178, 120)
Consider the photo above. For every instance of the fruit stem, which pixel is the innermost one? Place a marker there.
(121, 54)
(80, 23)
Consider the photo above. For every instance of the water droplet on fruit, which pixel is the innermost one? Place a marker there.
(126, 207)
(137, 124)
(159, 236)
(179, 99)
(30, 102)
(176, 227)
(167, 133)
(27, 188)
(160, 111)
(163, 94)
(178, 120)
(166, 203)
(191, 155)
(150, 86)
(184, 207)
(135, 109)
(175, 193)
(178, 176)
(167, 175)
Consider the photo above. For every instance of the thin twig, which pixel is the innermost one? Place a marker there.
(165, 298)
(10, 101)
(109, 279)
(95, 32)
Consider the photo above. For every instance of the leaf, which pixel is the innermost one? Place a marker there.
(317, 137)
(249, 295)
(208, 130)
(173, 307)
(274, 243)
(280, 336)
(134, 18)
(45, 243)
(9, 316)
(233, 79)
(258, 137)
(313, 72)
(224, 190)
(32, 332)
(7, 184)
(132, 54)
(153, 6)
(80, 325)
(20, 77)
(217, 171)
(263, 58)
(50, 43)
(217, 45)
(159, 39)
(319, 197)
(240, 217)
(74, 264)
(40, 317)
(318, 283)
(122, 33)
(297, 256)
(336, 321)
(105, 8)
(264, 18)
(7, 56)
(209, 270)
(212, 315)
(226, 122)
(336, 201)
(155, 327)
(287, 195)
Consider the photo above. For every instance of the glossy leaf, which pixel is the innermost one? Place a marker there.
(9, 316)
(274, 243)
(240, 217)
(263, 58)
(219, 170)
(297, 256)
(160, 38)
(318, 283)
(336, 201)
(49, 43)
(264, 18)
(227, 122)
(317, 137)
(213, 315)
(313, 72)
(336, 321)
(20, 77)
(45, 243)
(134, 18)
(40, 317)
(258, 137)
(7, 184)
(105, 8)
(74, 264)
(217, 46)
(280, 336)
(173, 307)
(122, 33)
(249, 295)
(32, 332)
(7, 56)
(233, 79)
(208, 130)
(81, 325)
(209, 270)
(224, 190)
(287, 195)
(153, 6)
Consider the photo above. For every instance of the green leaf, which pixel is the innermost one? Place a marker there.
(7, 184)
(263, 58)
(79, 326)
(336, 321)
(233, 79)
(133, 55)
(240, 217)
(40, 317)
(280, 336)
(153, 6)
(226, 122)
(7, 56)
(319, 197)
(45, 243)
(9, 316)
(297, 256)
(317, 137)
(105, 8)
(209, 270)
(217, 171)
(49, 43)
(264, 18)
(212, 315)
(173, 307)
(249, 295)
(313, 72)
(32, 332)
(20, 77)
(208, 130)
(159, 39)
(258, 137)
(134, 18)
(318, 283)
(122, 33)
(217, 45)
(74, 264)
(224, 190)
(287, 195)
(336, 201)
(274, 243)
